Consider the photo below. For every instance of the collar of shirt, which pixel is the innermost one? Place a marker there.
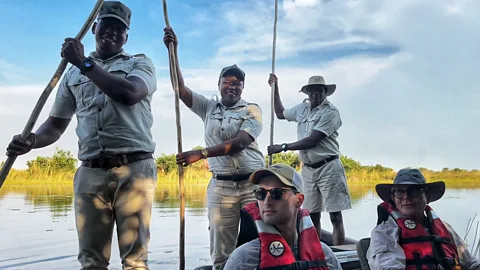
(240, 103)
(325, 101)
(121, 53)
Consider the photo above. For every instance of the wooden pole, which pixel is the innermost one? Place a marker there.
(46, 92)
(272, 111)
(174, 79)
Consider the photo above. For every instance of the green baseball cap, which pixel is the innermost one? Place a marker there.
(235, 70)
(117, 10)
(285, 173)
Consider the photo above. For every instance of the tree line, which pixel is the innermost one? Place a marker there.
(65, 161)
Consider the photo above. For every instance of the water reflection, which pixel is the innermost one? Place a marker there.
(59, 198)
(40, 232)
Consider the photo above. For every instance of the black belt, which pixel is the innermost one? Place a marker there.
(233, 177)
(321, 163)
(116, 161)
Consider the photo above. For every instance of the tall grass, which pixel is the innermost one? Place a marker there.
(466, 179)
(475, 246)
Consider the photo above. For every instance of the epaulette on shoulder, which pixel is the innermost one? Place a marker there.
(71, 67)
(139, 55)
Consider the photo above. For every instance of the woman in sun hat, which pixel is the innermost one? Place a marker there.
(409, 235)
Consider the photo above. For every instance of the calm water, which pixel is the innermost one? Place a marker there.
(37, 229)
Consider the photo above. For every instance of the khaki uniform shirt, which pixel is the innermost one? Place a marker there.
(324, 118)
(106, 127)
(385, 252)
(222, 124)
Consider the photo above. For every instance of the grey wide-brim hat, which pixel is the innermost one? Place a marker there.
(407, 176)
(319, 80)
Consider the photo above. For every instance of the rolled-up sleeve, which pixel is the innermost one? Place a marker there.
(253, 124)
(384, 251)
(329, 122)
(291, 114)
(200, 104)
(144, 69)
(466, 260)
(64, 105)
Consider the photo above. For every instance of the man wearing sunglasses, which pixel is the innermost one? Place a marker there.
(409, 235)
(287, 237)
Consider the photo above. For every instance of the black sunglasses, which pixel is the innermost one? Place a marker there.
(412, 192)
(275, 193)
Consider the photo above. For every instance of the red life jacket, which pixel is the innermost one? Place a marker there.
(424, 250)
(275, 252)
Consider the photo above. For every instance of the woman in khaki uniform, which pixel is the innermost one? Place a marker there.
(232, 126)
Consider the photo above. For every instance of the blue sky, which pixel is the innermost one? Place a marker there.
(405, 70)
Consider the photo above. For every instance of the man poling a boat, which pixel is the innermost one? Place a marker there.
(409, 235)
(287, 238)
(232, 126)
(324, 177)
(110, 92)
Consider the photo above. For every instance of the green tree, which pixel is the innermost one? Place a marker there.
(166, 163)
(61, 161)
(290, 158)
(350, 164)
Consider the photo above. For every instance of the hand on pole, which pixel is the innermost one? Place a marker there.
(73, 51)
(274, 149)
(189, 157)
(273, 79)
(19, 147)
(170, 37)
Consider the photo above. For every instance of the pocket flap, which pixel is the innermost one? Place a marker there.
(78, 79)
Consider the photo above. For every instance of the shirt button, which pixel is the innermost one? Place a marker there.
(99, 92)
(99, 109)
(112, 185)
(100, 129)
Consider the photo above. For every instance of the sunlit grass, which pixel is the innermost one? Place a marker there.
(465, 179)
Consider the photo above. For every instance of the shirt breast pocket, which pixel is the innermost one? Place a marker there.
(305, 126)
(83, 90)
(231, 126)
(121, 70)
(213, 125)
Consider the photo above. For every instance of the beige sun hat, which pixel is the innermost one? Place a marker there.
(285, 173)
(319, 80)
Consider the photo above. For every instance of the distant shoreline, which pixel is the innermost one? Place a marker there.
(202, 176)
(61, 167)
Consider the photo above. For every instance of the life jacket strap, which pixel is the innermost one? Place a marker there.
(430, 238)
(299, 265)
(431, 262)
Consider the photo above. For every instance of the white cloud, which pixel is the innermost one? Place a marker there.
(417, 107)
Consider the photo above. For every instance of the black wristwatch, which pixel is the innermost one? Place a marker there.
(87, 64)
(284, 147)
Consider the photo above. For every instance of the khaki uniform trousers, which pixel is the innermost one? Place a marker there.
(122, 196)
(224, 202)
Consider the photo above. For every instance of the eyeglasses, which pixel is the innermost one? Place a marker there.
(275, 193)
(411, 192)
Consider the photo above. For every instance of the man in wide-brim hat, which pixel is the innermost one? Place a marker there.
(318, 122)
(409, 235)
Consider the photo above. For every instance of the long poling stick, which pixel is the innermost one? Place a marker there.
(174, 79)
(272, 111)
(46, 92)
